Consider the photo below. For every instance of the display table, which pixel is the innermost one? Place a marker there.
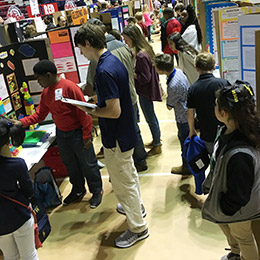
(33, 155)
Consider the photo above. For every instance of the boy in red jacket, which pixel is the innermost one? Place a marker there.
(73, 132)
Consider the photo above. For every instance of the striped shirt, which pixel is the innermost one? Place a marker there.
(177, 90)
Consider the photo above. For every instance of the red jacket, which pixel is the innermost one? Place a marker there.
(65, 116)
(173, 25)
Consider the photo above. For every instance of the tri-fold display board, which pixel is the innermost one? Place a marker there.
(16, 66)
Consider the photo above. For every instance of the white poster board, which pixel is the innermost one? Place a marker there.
(248, 25)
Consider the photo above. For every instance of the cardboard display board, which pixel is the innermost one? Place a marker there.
(248, 25)
(116, 18)
(16, 67)
(257, 68)
(227, 32)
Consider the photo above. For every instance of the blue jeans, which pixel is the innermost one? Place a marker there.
(151, 119)
(183, 132)
(139, 151)
(79, 161)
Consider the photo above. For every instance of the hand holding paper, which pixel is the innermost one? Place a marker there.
(86, 107)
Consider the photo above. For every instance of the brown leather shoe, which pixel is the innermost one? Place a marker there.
(149, 145)
(154, 151)
(180, 170)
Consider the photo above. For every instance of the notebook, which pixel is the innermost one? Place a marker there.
(35, 138)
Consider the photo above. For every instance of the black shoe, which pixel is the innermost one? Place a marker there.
(231, 256)
(141, 166)
(74, 197)
(96, 200)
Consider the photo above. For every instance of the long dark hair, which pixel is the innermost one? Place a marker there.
(192, 20)
(181, 45)
(238, 101)
(9, 130)
(138, 40)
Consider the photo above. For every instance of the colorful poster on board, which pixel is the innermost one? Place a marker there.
(79, 16)
(16, 100)
(229, 32)
(210, 7)
(12, 82)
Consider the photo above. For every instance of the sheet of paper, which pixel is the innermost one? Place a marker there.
(28, 66)
(250, 77)
(62, 49)
(81, 59)
(3, 88)
(114, 22)
(137, 5)
(248, 58)
(77, 102)
(7, 105)
(36, 99)
(34, 86)
(66, 64)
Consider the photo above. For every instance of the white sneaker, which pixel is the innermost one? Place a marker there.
(129, 238)
(120, 210)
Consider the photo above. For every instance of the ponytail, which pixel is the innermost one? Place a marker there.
(9, 130)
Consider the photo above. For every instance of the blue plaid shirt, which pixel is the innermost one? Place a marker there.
(177, 90)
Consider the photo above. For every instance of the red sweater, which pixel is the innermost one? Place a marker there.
(65, 116)
(173, 25)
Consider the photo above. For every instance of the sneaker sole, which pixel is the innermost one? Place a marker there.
(93, 207)
(123, 213)
(138, 239)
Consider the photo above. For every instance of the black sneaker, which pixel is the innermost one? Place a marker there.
(120, 209)
(141, 166)
(73, 197)
(231, 256)
(129, 238)
(96, 200)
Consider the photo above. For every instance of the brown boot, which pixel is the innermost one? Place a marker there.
(154, 151)
(180, 170)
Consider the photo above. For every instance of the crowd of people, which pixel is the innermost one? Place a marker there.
(121, 74)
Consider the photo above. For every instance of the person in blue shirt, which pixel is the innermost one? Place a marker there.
(17, 223)
(177, 90)
(116, 121)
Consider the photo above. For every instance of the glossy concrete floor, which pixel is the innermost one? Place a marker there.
(177, 231)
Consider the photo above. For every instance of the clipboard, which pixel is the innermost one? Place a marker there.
(77, 102)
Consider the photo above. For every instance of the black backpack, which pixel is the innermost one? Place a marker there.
(46, 190)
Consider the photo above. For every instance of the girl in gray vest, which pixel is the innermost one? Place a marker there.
(233, 183)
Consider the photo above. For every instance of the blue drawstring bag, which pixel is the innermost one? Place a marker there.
(197, 157)
(46, 189)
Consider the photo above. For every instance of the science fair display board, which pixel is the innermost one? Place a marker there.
(248, 25)
(16, 67)
(227, 35)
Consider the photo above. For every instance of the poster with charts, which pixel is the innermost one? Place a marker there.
(229, 33)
